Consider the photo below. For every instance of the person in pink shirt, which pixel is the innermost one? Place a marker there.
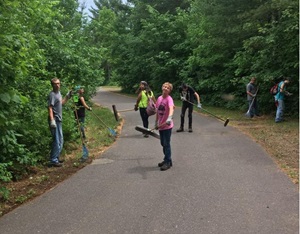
(164, 123)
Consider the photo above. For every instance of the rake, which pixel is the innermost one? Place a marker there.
(226, 121)
(112, 132)
(248, 114)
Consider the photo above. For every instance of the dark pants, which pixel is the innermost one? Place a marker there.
(165, 141)
(185, 106)
(144, 117)
(81, 122)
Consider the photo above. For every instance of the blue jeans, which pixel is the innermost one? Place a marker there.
(57, 142)
(279, 111)
(165, 141)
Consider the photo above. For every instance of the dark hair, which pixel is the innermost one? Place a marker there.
(184, 85)
(147, 87)
(144, 83)
(287, 78)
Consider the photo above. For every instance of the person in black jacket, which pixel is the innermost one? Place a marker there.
(188, 95)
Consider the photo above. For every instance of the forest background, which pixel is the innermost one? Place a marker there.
(216, 46)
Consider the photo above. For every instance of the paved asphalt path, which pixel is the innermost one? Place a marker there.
(221, 182)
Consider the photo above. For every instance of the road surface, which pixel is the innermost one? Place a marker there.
(221, 182)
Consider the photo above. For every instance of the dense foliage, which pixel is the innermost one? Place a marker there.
(39, 40)
(216, 46)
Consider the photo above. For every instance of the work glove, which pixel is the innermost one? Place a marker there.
(169, 120)
(52, 123)
(182, 98)
(254, 95)
(89, 108)
(199, 105)
(156, 125)
(136, 107)
(69, 94)
(288, 93)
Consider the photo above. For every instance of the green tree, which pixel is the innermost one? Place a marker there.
(39, 40)
(272, 50)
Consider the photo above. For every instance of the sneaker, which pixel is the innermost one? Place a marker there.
(180, 130)
(57, 164)
(165, 167)
(190, 130)
(279, 121)
(146, 135)
(163, 162)
(82, 160)
(61, 160)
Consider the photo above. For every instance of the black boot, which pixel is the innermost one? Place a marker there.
(190, 123)
(181, 123)
(180, 129)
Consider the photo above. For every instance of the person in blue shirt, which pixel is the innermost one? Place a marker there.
(279, 99)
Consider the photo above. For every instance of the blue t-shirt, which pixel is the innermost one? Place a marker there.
(279, 95)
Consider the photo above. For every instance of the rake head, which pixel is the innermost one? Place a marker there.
(147, 131)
